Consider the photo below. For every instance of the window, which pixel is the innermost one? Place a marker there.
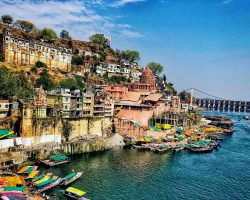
(6, 106)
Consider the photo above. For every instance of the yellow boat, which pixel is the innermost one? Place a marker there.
(45, 178)
(33, 174)
(75, 193)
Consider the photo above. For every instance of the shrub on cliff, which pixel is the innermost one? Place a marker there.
(45, 80)
(40, 64)
(48, 34)
(24, 25)
(14, 84)
(77, 60)
(7, 19)
(97, 39)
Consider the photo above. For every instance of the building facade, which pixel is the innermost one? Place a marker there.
(19, 51)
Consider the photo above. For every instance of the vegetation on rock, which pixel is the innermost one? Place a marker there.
(45, 80)
(14, 84)
(48, 34)
(24, 25)
(7, 19)
(64, 34)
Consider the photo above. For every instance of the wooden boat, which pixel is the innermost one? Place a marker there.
(45, 178)
(71, 178)
(55, 160)
(27, 169)
(50, 186)
(204, 149)
(74, 193)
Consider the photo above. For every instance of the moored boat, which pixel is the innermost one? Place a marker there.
(56, 160)
(71, 178)
(74, 193)
(50, 185)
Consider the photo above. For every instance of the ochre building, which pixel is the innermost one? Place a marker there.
(20, 51)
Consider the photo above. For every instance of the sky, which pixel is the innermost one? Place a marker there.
(203, 44)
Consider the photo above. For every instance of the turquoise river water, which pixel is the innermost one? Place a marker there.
(131, 174)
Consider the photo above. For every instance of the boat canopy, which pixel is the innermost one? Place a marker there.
(38, 177)
(70, 176)
(58, 157)
(23, 169)
(51, 180)
(5, 133)
(12, 188)
(29, 170)
(45, 178)
(33, 174)
(76, 191)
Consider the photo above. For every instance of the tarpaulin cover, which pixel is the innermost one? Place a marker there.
(12, 188)
(70, 176)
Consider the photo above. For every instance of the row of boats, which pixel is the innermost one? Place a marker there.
(207, 145)
(40, 183)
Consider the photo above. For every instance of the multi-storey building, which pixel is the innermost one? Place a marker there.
(4, 108)
(116, 92)
(113, 70)
(20, 51)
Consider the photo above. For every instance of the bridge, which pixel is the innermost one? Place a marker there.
(219, 104)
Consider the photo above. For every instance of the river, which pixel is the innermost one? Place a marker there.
(131, 174)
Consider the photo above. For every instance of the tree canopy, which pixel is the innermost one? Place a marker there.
(185, 96)
(7, 19)
(77, 60)
(156, 68)
(24, 25)
(45, 80)
(132, 55)
(71, 84)
(64, 34)
(14, 84)
(97, 38)
(48, 34)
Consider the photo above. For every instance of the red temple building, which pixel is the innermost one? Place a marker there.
(146, 83)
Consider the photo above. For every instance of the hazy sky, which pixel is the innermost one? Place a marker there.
(203, 44)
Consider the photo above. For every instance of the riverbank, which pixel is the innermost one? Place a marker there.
(201, 138)
(77, 165)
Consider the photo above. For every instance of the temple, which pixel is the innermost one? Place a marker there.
(146, 83)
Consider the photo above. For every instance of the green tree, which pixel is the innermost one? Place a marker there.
(66, 129)
(97, 38)
(69, 83)
(24, 25)
(7, 19)
(45, 80)
(117, 79)
(79, 81)
(77, 60)
(48, 34)
(64, 34)
(156, 68)
(132, 55)
(185, 96)
(14, 84)
(40, 64)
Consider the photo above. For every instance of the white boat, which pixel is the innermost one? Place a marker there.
(52, 185)
(71, 178)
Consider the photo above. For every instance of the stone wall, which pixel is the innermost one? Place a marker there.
(40, 127)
